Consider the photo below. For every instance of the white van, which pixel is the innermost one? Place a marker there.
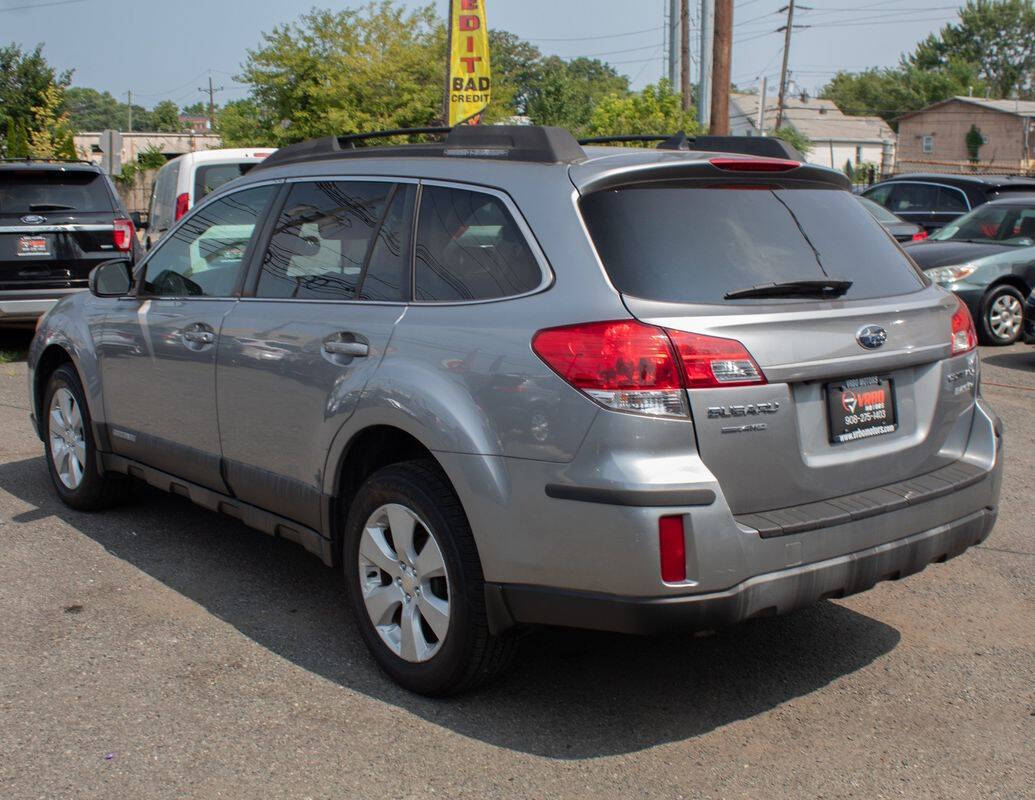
(182, 182)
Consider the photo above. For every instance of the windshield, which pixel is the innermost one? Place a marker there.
(1006, 224)
(684, 243)
(40, 191)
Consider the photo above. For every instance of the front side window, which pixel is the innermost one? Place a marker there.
(204, 256)
(322, 240)
(470, 248)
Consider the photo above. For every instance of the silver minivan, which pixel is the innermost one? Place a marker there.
(505, 380)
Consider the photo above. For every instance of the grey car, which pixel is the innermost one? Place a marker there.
(503, 381)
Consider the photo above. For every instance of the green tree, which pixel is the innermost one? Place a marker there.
(17, 143)
(242, 124)
(567, 92)
(198, 109)
(31, 93)
(90, 110)
(165, 117)
(973, 140)
(795, 138)
(998, 36)
(655, 110)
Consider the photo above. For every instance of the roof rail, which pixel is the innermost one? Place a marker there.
(532, 143)
(768, 146)
(29, 160)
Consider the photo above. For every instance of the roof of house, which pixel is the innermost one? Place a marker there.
(1022, 108)
(818, 118)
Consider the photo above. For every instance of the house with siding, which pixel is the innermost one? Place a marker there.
(935, 137)
(836, 137)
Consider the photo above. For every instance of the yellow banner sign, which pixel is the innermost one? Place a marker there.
(470, 79)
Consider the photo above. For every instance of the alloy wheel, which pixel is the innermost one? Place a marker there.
(1005, 317)
(67, 438)
(404, 582)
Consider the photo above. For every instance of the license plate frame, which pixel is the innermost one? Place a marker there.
(861, 408)
(33, 246)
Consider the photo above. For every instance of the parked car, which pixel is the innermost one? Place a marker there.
(58, 220)
(653, 404)
(902, 231)
(936, 200)
(987, 258)
(185, 180)
(1029, 318)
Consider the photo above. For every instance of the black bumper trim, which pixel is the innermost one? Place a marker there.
(882, 500)
(641, 498)
(763, 595)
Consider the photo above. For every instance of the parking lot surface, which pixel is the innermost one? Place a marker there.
(159, 650)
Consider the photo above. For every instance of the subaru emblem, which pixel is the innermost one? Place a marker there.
(872, 336)
(33, 219)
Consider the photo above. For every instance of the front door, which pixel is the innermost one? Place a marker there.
(295, 356)
(157, 352)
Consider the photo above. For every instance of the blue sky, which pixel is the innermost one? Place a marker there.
(165, 51)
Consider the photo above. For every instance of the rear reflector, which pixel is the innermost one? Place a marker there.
(919, 236)
(123, 234)
(710, 361)
(754, 164)
(964, 336)
(672, 544)
(182, 204)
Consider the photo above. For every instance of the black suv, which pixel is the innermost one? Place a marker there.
(58, 220)
(934, 200)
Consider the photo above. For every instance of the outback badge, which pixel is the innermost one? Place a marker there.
(872, 336)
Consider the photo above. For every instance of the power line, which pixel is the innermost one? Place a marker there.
(41, 5)
(587, 38)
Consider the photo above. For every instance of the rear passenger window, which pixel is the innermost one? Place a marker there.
(906, 197)
(387, 276)
(470, 248)
(322, 239)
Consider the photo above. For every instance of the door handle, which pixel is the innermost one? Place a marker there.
(199, 337)
(340, 348)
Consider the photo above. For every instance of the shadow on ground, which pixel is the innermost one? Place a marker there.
(14, 343)
(1021, 360)
(569, 695)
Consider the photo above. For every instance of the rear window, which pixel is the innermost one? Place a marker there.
(210, 177)
(693, 245)
(51, 190)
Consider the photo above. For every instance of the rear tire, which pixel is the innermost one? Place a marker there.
(71, 451)
(1002, 316)
(415, 582)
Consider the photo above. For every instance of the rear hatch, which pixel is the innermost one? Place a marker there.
(55, 226)
(826, 415)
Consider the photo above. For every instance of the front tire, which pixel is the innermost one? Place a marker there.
(71, 451)
(415, 582)
(1002, 317)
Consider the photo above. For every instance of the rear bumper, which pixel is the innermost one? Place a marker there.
(28, 306)
(763, 595)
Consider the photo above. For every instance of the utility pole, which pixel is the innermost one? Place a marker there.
(704, 87)
(673, 38)
(783, 70)
(684, 49)
(721, 54)
(211, 102)
(129, 112)
(760, 123)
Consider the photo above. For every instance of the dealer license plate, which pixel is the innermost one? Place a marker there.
(33, 246)
(860, 408)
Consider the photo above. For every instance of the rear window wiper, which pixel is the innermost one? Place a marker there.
(824, 287)
(50, 207)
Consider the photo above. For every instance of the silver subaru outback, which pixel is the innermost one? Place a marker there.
(503, 380)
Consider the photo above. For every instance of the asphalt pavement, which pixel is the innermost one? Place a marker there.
(162, 651)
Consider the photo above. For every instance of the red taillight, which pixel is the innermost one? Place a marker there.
(672, 544)
(630, 366)
(123, 234)
(709, 361)
(920, 236)
(182, 204)
(964, 336)
(625, 365)
(754, 164)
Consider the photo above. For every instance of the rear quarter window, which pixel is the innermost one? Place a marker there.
(681, 243)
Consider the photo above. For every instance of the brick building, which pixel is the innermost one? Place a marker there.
(936, 137)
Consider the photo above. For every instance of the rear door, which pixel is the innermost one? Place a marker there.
(55, 226)
(297, 351)
(830, 416)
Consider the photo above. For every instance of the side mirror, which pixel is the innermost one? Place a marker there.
(111, 278)
(139, 220)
